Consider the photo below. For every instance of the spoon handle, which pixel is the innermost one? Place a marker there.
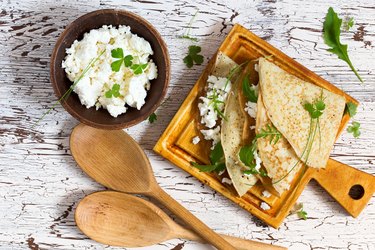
(238, 243)
(198, 226)
(242, 244)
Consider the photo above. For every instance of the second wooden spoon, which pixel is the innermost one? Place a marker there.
(115, 160)
(120, 219)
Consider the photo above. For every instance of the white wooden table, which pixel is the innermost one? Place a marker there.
(40, 184)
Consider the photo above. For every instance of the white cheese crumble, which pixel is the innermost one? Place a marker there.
(226, 180)
(256, 67)
(252, 127)
(266, 194)
(196, 140)
(217, 90)
(264, 206)
(100, 78)
(251, 107)
(258, 161)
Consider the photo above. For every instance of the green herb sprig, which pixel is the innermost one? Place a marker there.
(71, 88)
(187, 33)
(217, 160)
(247, 157)
(114, 91)
(248, 90)
(152, 118)
(193, 56)
(331, 35)
(271, 132)
(354, 129)
(127, 61)
(351, 109)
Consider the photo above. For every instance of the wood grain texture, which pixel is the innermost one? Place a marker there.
(40, 184)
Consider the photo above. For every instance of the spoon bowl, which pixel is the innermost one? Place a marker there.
(115, 160)
(119, 219)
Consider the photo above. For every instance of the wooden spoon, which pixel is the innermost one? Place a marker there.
(114, 159)
(119, 219)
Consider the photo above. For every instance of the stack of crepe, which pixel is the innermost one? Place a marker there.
(281, 100)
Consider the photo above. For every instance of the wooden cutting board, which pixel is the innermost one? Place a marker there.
(350, 187)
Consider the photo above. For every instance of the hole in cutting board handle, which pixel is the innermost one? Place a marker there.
(356, 192)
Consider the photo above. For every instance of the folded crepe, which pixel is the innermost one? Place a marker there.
(284, 96)
(279, 159)
(232, 129)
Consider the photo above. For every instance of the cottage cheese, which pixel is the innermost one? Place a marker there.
(218, 87)
(264, 206)
(196, 140)
(100, 78)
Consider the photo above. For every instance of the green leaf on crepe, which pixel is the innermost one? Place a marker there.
(246, 155)
(271, 132)
(152, 118)
(248, 90)
(216, 159)
(217, 154)
(354, 129)
(351, 109)
(331, 35)
(193, 56)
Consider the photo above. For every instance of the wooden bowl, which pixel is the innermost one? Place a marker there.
(101, 118)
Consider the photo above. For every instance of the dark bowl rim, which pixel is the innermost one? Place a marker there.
(71, 110)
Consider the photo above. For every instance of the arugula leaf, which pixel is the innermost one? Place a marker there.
(331, 35)
(216, 159)
(204, 168)
(246, 155)
(152, 118)
(248, 90)
(114, 92)
(193, 56)
(354, 129)
(351, 109)
(270, 131)
(139, 68)
(217, 154)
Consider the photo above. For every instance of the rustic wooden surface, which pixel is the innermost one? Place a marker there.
(40, 184)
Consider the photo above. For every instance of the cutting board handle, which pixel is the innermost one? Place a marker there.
(352, 188)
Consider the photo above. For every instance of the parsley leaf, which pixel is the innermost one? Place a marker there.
(331, 29)
(193, 56)
(316, 108)
(119, 54)
(216, 159)
(139, 68)
(152, 118)
(354, 129)
(248, 90)
(114, 92)
(348, 23)
(351, 109)
(270, 131)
